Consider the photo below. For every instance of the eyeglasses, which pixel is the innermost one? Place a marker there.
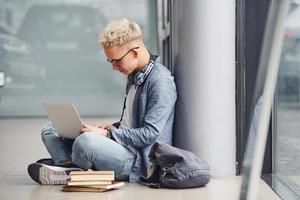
(117, 61)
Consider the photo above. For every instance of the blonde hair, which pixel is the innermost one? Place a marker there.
(119, 32)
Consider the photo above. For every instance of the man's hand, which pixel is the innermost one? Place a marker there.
(94, 128)
(104, 126)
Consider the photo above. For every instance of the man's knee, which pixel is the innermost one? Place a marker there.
(47, 130)
(82, 149)
(85, 142)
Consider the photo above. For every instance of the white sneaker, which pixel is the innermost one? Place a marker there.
(49, 175)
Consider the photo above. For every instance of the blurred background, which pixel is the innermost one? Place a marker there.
(49, 51)
(286, 108)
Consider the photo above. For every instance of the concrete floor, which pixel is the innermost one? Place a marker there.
(20, 144)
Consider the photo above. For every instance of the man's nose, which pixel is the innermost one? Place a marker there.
(115, 67)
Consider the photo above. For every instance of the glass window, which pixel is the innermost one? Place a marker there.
(287, 109)
(50, 52)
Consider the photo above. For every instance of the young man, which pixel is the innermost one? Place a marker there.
(147, 116)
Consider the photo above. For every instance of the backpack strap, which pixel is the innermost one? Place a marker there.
(152, 179)
(155, 185)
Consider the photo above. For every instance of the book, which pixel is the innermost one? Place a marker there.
(92, 175)
(82, 189)
(98, 188)
(113, 185)
(92, 178)
(78, 183)
(91, 172)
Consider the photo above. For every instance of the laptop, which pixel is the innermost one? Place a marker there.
(65, 119)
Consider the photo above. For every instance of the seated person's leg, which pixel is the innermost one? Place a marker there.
(94, 150)
(59, 148)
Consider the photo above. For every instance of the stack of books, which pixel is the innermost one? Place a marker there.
(91, 181)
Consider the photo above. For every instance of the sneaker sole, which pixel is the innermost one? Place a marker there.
(49, 175)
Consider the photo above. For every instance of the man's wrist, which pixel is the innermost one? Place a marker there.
(108, 133)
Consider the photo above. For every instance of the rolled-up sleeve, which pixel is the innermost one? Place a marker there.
(161, 98)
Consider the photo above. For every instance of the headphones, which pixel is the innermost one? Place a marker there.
(139, 77)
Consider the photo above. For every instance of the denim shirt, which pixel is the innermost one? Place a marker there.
(152, 117)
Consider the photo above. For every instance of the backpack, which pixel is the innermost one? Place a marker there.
(172, 167)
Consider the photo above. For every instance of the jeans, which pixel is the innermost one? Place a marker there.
(89, 150)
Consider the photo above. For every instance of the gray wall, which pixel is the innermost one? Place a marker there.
(204, 34)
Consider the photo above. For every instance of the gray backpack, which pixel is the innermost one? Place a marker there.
(175, 168)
